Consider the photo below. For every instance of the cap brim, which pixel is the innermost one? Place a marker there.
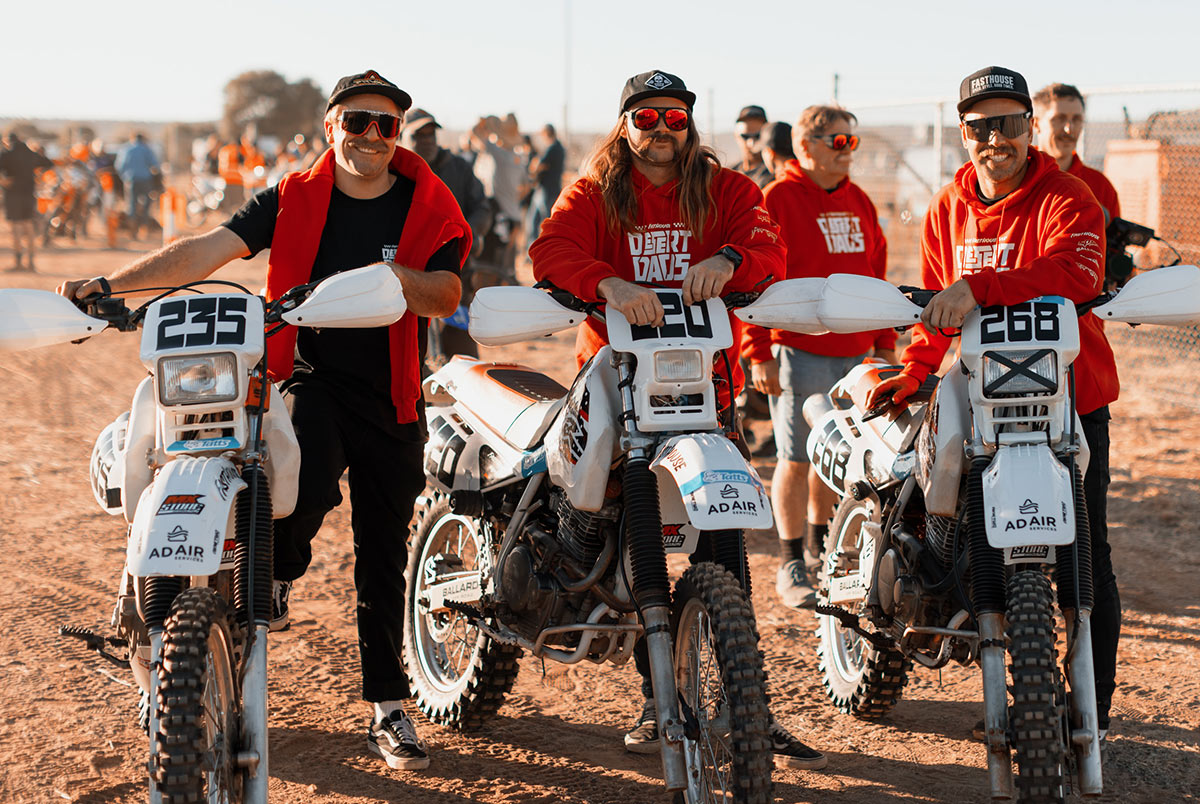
(682, 94)
(966, 104)
(394, 94)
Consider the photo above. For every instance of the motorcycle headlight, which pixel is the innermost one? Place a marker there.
(197, 379)
(1009, 373)
(678, 365)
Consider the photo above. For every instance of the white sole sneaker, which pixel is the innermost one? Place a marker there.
(399, 763)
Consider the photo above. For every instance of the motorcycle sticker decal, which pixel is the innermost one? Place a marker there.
(672, 536)
(533, 463)
(177, 534)
(221, 319)
(203, 445)
(729, 492)
(1028, 321)
(575, 426)
(188, 552)
(719, 476)
(181, 504)
(229, 475)
(678, 321)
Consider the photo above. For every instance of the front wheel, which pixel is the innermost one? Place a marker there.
(199, 713)
(861, 679)
(458, 674)
(1036, 717)
(719, 676)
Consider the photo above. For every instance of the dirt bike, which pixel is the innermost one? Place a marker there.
(548, 516)
(955, 511)
(200, 466)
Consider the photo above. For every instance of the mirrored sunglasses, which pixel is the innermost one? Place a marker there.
(840, 142)
(645, 118)
(357, 121)
(1009, 126)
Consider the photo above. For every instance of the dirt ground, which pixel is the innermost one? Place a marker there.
(67, 721)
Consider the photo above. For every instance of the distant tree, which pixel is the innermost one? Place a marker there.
(266, 100)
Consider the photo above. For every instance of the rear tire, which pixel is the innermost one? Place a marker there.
(719, 675)
(195, 750)
(861, 679)
(459, 675)
(1036, 717)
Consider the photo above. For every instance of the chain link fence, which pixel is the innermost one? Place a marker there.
(1146, 140)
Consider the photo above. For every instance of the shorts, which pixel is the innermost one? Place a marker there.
(801, 374)
(18, 206)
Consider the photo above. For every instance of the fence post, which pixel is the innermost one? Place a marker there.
(938, 144)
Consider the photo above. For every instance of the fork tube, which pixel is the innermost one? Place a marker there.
(253, 756)
(651, 586)
(156, 648)
(995, 703)
(1084, 716)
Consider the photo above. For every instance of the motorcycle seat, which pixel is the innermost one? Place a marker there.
(513, 400)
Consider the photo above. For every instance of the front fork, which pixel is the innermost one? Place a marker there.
(651, 586)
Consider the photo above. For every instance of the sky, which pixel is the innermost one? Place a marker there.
(549, 59)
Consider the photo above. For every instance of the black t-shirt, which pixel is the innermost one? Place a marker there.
(18, 164)
(354, 364)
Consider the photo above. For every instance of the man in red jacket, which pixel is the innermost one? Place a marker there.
(1011, 227)
(655, 209)
(1058, 118)
(830, 227)
(354, 393)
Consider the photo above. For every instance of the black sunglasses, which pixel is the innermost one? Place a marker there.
(357, 121)
(1009, 126)
(645, 118)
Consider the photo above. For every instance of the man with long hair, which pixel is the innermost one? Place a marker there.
(654, 208)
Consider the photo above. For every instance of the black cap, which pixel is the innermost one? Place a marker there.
(419, 118)
(751, 113)
(368, 83)
(993, 82)
(655, 84)
(778, 137)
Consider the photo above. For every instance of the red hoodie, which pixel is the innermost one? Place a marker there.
(434, 219)
(577, 248)
(1100, 186)
(826, 232)
(1044, 238)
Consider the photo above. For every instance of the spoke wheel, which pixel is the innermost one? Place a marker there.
(719, 676)
(199, 714)
(458, 674)
(1036, 716)
(859, 678)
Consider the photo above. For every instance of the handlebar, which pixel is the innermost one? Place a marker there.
(572, 302)
(922, 296)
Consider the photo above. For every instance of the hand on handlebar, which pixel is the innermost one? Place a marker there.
(640, 305)
(891, 394)
(78, 289)
(706, 279)
(948, 309)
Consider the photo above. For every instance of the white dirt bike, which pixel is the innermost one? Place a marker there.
(548, 516)
(955, 512)
(200, 466)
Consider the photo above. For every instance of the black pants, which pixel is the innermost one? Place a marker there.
(1106, 614)
(385, 478)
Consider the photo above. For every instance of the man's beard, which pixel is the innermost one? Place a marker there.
(999, 172)
(642, 151)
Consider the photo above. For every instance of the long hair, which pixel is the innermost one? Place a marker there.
(610, 167)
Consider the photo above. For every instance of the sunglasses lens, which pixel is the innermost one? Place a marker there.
(1009, 126)
(355, 122)
(389, 125)
(645, 119)
(839, 142)
(1014, 125)
(676, 119)
(853, 142)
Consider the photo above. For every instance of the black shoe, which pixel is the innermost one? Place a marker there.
(643, 738)
(279, 605)
(395, 739)
(790, 752)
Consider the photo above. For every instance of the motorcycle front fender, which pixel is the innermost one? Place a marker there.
(703, 476)
(1027, 498)
(183, 517)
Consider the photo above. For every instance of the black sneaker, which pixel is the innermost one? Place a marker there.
(790, 752)
(395, 739)
(279, 605)
(643, 738)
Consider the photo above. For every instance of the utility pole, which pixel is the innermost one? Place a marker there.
(835, 87)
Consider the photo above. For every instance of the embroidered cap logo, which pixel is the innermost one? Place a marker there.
(658, 81)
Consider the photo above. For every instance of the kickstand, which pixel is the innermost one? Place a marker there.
(97, 643)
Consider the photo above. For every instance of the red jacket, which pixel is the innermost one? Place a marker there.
(826, 232)
(1100, 186)
(577, 248)
(433, 220)
(1044, 238)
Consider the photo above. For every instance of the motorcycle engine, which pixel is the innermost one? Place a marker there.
(559, 547)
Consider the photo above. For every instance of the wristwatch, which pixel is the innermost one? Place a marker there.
(731, 254)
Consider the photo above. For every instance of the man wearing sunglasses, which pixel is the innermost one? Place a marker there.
(750, 122)
(655, 209)
(1011, 227)
(355, 394)
(830, 226)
